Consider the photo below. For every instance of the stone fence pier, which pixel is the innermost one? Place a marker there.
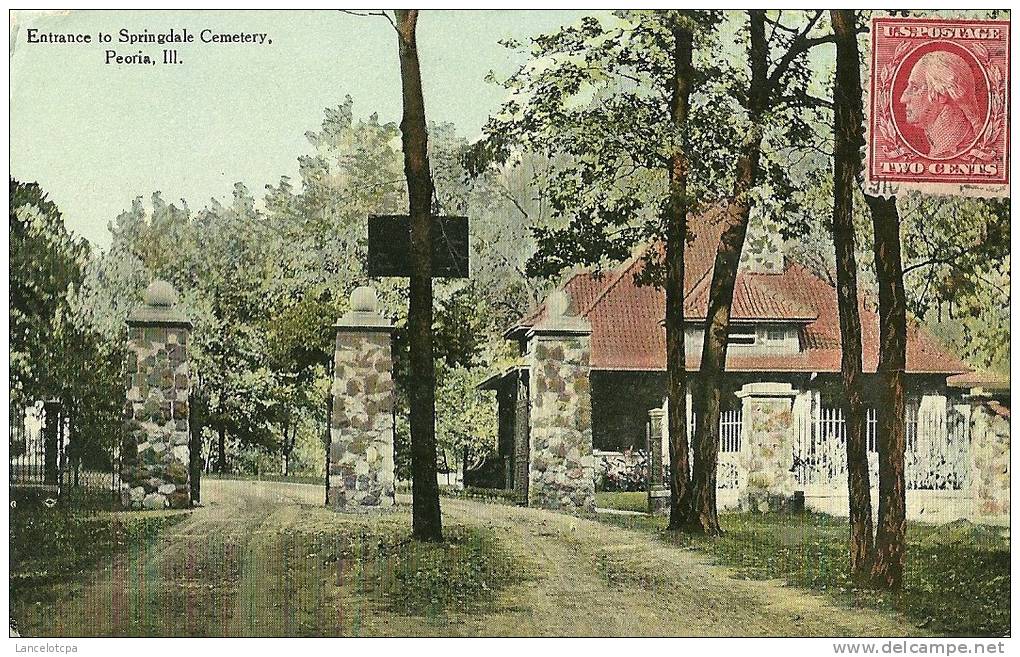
(155, 452)
(361, 469)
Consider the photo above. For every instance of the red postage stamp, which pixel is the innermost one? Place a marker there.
(939, 107)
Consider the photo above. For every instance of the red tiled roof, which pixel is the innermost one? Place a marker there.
(626, 318)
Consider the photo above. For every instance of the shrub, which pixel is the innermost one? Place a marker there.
(621, 471)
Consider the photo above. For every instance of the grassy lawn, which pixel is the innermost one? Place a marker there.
(462, 573)
(633, 501)
(957, 580)
(53, 545)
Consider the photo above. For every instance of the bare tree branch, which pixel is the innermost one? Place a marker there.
(354, 12)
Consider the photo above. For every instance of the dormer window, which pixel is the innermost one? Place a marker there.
(743, 335)
(746, 338)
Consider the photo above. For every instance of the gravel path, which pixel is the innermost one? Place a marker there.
(242, 566)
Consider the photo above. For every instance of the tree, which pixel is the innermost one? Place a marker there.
(56, 351)
(890, 534)
(608, 107)
(300, 344)
(770, 92)
(47, 264)
(426, 514)
(848, 140)
(675, 222)
(466, 430)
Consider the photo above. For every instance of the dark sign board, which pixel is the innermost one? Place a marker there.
(389, 246)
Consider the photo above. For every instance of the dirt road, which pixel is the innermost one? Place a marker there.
(246, 565)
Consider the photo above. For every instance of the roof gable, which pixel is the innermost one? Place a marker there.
(626, 318)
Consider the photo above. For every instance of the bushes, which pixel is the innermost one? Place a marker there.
(621, 471)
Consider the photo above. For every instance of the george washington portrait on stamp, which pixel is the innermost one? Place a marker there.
(939, 104)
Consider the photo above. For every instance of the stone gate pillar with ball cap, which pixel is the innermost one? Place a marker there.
(155, 443)
(361, 430)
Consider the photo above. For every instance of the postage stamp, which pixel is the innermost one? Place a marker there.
(939, 107)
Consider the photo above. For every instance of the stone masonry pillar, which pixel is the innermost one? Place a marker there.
(989, 459)
(561, 463)
(155, 446)
(361, 430)
(658, 456)
(768, 437)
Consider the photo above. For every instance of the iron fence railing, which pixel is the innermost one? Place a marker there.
(45, 454)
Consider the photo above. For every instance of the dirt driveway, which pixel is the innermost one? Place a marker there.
(243, 565)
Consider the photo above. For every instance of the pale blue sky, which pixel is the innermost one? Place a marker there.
(97, 135)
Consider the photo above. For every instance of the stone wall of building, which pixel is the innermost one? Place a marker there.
(989, 450)
(562, 466)
(768, 441)
(361, 469)
(155, 444)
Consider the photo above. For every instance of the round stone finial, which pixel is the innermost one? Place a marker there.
(557, 303)
(364, 300)
(160, 294)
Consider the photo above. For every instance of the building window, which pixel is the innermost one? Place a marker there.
(775, 334)
(742, 335)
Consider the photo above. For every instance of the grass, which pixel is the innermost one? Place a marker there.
(956, 583)
(631, 501)
(53, 544)
(492, 495)
(462, 573)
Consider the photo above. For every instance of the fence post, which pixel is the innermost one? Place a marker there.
(51, 442)
(658, 491)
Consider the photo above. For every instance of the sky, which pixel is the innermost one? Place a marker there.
(96, 135)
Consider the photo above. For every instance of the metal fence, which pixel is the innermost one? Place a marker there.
(729, 473)
(936, 458)
(46, 455)
(731, 425)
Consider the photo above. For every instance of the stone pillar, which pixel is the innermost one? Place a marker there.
(658, 456)
(989, 458)
(768, 438)
(155, 449)
(562, 466)
(360, 464)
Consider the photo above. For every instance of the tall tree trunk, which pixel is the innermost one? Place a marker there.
(676, 238)
(890, 536)
(704, 516)
(426, 515)
(221, 461)
(848, 138)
